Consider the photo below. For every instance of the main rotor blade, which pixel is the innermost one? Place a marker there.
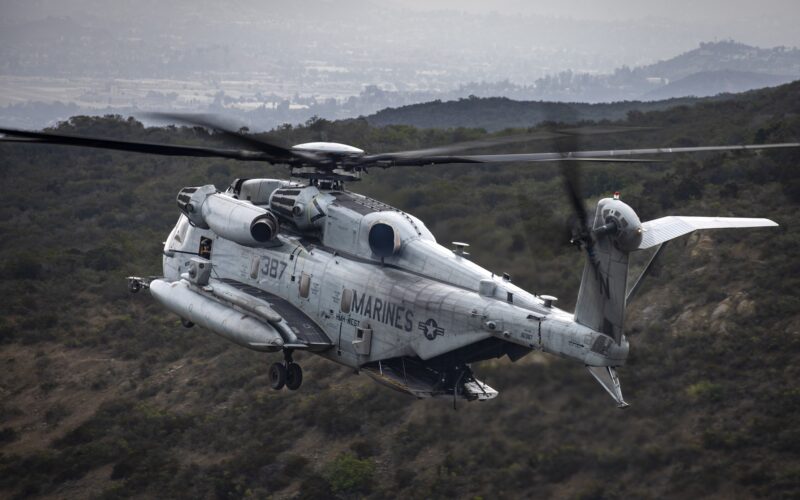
(25, 136)
(592, 156)
(601, 154)
(453, 160)
(211, 123)
(463, 146)
(449, 149)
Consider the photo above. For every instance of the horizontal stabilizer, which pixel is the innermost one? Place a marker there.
(664, 229)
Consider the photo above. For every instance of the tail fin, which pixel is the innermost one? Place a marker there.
(617, 232)
(601, 299)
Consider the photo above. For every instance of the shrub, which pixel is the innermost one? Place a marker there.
(348, 474)
(705, 391)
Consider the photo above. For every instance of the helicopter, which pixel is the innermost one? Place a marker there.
(304, 264)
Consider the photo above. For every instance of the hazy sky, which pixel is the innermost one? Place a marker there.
(764, 22)
(430, 44)
(200, 53)
(723, 10)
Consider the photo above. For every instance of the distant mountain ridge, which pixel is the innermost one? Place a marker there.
(728, 55)
(713, 69)
(721, 81)
(739, 66)
(497, 113)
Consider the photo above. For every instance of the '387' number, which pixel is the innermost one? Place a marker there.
(273, 268)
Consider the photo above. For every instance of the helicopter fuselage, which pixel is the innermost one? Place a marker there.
(417, 307)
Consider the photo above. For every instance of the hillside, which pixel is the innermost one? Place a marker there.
(498, 113)
(705, 83)
(105, 395)
(727, 56)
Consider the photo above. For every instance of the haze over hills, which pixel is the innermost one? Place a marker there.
(699, 72)
(707, 67)
(711, 69)
(270, 64)
(407, 46)
(708, 70)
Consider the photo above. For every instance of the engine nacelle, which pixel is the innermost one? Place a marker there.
(618, 221)
(235, 220)
(304, 206)
(256, 191)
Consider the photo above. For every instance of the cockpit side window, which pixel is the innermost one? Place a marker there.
(205, 248)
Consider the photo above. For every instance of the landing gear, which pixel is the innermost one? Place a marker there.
(294, 376)
(277, 376)
(186, 323)
(288, 373)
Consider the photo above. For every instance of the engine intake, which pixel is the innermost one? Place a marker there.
(383, 239)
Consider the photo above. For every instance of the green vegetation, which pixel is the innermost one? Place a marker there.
(105, 395)
(706, 391)
(348, 474)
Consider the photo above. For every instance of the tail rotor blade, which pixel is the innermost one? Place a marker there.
(571, 175)
(570, 172)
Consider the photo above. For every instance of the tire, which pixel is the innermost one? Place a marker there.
(294, 377)
(186, 323)
(277, 376)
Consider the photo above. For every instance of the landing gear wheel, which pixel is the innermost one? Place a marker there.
(186, 323)
(277, 376)
(294, 376)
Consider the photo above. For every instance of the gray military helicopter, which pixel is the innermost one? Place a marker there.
(306, 265)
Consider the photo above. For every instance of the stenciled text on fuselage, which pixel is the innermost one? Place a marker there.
(387, 312)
